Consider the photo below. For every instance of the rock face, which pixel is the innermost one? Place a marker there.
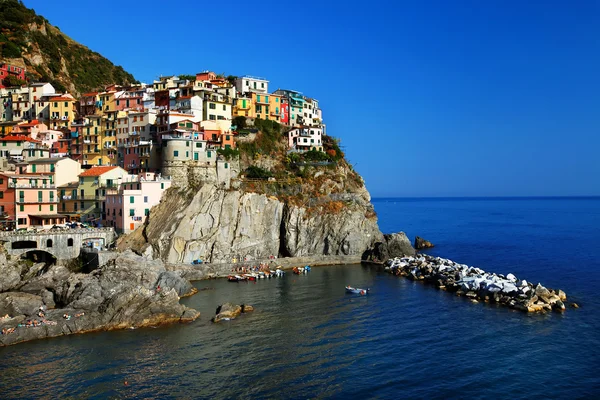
(478, 284)
(421, 243)
(398, 245)
(217, 225)
(228, 311)
(128, 292)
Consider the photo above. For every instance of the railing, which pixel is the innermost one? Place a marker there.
(23, 201)
(30, 186)
(78, 198)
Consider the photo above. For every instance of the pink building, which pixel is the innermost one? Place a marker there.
(129, 206)
(34, 198)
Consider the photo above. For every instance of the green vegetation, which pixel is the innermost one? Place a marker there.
(13, 81)
(267, 142)
(254, 172)
(87, 70)
(187, 77)
(228, 153)
(239, 122)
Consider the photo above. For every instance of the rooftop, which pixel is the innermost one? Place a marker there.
(18, 138)
(97, 171)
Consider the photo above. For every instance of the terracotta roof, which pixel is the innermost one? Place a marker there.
(62, 99)
(97, 171)
(18, 138)
(32, 123)
(89, 94)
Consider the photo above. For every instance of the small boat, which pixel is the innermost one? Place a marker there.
(350, 289)
(233, 278)
(307, 268)
(279, 273)
(299, 270)
(250, 277)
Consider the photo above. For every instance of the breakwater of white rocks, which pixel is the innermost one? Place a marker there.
(477, 284)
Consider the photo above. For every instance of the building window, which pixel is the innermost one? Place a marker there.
(131, 199)
(1, 195)
(131, 212)
(49, 243)
(175, 153)
(145, 199)
(212, 106)
(147, 212)
(51, 207)
(198, 145)
(224, 107)
(162, 185)
(70, 242)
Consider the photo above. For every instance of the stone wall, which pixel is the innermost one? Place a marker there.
(197, 173)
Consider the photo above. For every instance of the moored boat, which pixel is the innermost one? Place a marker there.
(350, 289)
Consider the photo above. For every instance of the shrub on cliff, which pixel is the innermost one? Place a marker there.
(228, 153)
(254, 172)
(239, 122)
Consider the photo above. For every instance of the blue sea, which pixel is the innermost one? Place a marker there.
(309, 339)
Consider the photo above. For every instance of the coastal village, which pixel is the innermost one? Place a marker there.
(107, 157)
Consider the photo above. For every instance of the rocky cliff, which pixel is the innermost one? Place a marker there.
(28, 40)
(216, 225)
(39, 301)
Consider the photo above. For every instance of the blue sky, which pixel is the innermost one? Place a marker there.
(429, 98)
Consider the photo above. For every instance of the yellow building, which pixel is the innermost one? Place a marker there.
(274, 107)
(107, 101)
(243, 107)
(62, 111)
(92, 134)
(261, 105)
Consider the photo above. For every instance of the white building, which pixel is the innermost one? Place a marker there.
(305, 138)
(248, 83)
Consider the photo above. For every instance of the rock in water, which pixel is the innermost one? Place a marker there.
(421, 243)
(228, 311)
(398, 245)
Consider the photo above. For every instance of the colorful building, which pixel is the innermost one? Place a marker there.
(62, 111)
(93, 186)
(30, 200)
(128, 208)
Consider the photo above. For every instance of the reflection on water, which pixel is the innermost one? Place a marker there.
(308, 338)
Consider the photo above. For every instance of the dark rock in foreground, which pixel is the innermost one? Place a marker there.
(395, 245)
(478, 284)
(130, 292)
(421, 243)
(230, 311)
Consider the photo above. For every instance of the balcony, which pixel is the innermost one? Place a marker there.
(21, 200)
(77, 198)
(30, 186)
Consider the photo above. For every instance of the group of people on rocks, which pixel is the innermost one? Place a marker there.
(34, 323)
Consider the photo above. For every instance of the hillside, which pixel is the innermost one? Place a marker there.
(29, 40)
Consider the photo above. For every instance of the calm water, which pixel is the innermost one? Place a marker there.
(309, 339)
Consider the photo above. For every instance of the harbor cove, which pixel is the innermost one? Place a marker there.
(308, 338)
(299, 202)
